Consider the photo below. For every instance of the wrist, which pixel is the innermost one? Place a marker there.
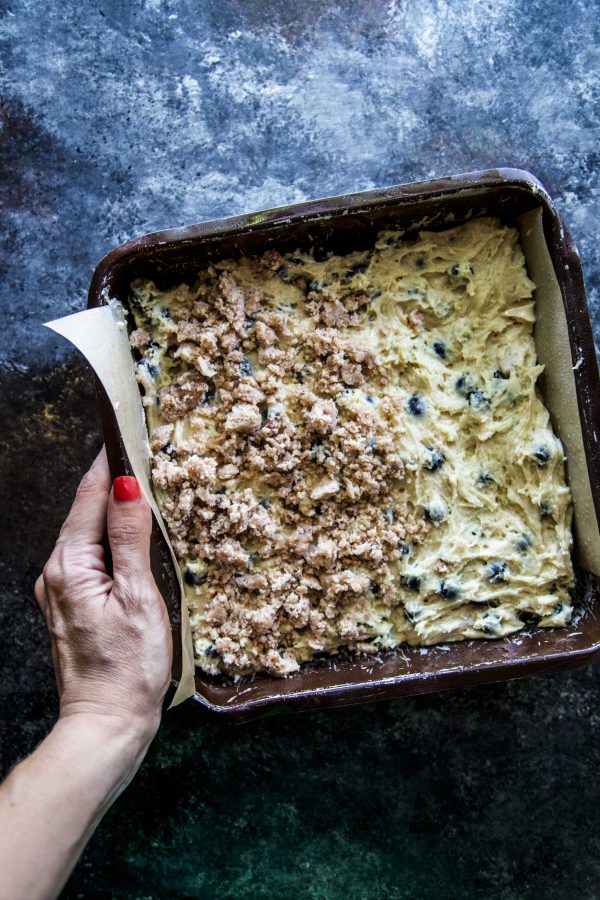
(53, 800)
(122, 739)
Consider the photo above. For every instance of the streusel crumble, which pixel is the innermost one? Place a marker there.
(349, 451)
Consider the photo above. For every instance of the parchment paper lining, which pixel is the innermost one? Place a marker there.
(558, 384)
(101, 335)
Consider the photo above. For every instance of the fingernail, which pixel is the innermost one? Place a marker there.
(126, 489)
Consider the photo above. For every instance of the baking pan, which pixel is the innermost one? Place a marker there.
(346, 223)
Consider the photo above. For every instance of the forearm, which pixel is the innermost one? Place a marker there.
(52, 802)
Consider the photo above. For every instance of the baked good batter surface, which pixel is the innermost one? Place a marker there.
(349, 451)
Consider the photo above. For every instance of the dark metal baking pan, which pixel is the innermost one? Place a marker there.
(342, 224)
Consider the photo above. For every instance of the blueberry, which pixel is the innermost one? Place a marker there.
(250, 322)
(436, 512)
(210, 393)
(464, 386)
(455, 271)
(404, 548)
(265, 503)
(370, 399)
(541, 455)
(558, 609)
(211, 653)
(496, 572)
(169, 449)
(439, 348)
(478, 400)
(528, 618)
(411, 582)
(150, 368)
(449, 590)
(467, 269)
(299, 376)
(375, 588)
(193, 579)
(500, 374)
(320, 254)
(416, 406)
(246, 367)
(220, 490)
(435, 460)
(312, 287)
(524, 542)
(484, 479)
(373, 443)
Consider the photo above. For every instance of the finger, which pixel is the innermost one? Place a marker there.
(129, 521)
(86, 521)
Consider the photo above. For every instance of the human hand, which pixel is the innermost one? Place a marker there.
(110, 636)
(111, 646)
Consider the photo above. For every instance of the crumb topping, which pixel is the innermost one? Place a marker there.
(349, 452)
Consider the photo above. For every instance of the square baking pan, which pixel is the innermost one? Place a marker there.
(570, 387)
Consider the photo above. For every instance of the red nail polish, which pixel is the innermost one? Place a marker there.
(126, 488)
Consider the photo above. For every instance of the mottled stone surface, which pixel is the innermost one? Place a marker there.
(123, 117)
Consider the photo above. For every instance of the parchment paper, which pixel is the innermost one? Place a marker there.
(101, 335)
(558, 384)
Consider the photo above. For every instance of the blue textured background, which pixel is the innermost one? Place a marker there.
(124, 117)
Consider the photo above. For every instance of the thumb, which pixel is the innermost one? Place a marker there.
(129, 525)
